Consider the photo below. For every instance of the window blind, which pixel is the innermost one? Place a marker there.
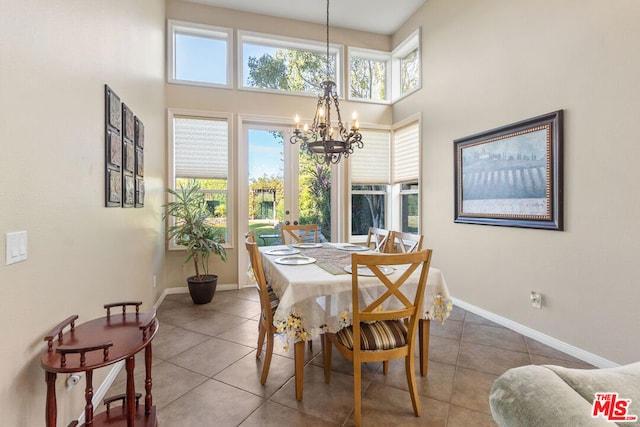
(201, 148)
(371, 165)
(406, 163)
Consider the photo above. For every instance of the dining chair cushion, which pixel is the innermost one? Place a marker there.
(273, 299)
(382, 335)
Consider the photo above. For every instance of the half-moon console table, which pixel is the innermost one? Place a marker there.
(98, 343)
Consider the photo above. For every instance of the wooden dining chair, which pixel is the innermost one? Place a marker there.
(378, 239)
(268, 305)
(379, 333)
(401, 242)
(298, 233)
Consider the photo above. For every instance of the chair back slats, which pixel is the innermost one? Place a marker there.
(408, 302)
(378, 239)
(401, 242)
(298, 233)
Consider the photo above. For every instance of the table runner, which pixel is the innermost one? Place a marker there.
(329, 258)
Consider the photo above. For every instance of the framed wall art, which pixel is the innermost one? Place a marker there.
(128, 191)
(129, 157)
(127, 123)
(512, 175)
(139, 192)
(113, 148)
(124, 155)
(114, 187)
(139, 164)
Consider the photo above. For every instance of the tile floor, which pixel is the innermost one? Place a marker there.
(205, 372)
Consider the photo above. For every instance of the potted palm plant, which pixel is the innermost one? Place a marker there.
(192, 229)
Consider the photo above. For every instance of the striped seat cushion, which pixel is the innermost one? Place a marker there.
(383, 335)
(273, 299)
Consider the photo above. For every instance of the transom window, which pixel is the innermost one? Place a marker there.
(406, 66)
(286, 65)
(368, 76)
(199, 54)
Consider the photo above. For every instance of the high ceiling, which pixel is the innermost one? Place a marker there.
(376, 16)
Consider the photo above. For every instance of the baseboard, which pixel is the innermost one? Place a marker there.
(552, 342)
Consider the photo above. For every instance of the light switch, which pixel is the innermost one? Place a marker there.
(16, 246)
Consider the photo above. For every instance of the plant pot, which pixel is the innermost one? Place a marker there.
(202, 291)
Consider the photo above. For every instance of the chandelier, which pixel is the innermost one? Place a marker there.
(326, 143)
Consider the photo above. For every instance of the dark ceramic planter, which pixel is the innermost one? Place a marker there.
(202, 291)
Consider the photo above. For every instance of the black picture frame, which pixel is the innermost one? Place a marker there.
(139, 132)
(512, 175)
(113, 148)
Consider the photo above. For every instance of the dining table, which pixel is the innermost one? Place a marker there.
(313, 283)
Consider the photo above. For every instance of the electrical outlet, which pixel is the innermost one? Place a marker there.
(536, 300)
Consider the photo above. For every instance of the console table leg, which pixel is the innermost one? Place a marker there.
(88, 397)
(148, 398)
(51, 406)
(131, 391)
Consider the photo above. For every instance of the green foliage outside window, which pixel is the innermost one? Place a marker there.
(291, 70)
(409, 71)
(367, 79)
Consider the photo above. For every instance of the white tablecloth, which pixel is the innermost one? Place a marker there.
(313, 301)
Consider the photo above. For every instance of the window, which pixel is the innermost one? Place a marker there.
(200, 151)
(409, 71)
(409, 208)
(286, 65)
(199, 54)
(406, 66)
(370, 179)
(368, 74)
(406, 172)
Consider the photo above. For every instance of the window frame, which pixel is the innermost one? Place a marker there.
(231, 202)
(407, 192)
(385, 182)
(408, 45)
(198, 30)
(275, 41)
(374, 55)
(397, 191)
(386, 193)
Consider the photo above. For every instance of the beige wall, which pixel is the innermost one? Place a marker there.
(55, 58)
(493, 62)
